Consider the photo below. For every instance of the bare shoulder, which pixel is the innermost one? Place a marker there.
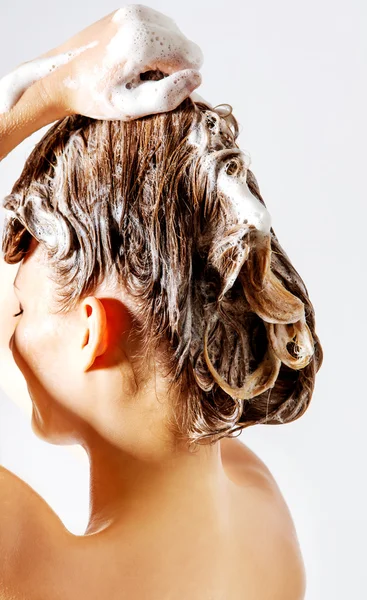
(277, 546)
(28, 529)
(252, 472)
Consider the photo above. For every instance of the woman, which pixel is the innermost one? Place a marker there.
(158, 315)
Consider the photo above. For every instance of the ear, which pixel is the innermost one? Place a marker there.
(95, 330)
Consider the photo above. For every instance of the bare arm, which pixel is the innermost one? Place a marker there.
(32, 112)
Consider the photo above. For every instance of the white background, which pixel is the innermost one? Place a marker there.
(294, 73)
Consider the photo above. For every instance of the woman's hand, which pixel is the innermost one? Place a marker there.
(97, 72)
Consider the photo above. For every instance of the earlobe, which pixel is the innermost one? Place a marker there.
(95, 338)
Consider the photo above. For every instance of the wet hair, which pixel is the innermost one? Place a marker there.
(134, 199)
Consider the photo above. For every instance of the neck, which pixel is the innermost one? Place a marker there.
(132, 486)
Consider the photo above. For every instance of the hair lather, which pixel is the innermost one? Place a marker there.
(169, 204)
(244, 254)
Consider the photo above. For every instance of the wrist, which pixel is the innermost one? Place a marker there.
(47, 106)
(34, 110)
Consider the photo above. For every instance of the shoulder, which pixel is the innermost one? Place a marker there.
(28, 528)
(253, 473)
(277, 546)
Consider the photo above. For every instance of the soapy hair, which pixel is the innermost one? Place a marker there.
(134, 199)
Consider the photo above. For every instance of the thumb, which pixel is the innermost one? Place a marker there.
(152, 97)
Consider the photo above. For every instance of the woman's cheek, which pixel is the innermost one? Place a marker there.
(44, 352)
(33, 345)
(22, 345)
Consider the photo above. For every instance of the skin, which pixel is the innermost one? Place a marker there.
(166, 523)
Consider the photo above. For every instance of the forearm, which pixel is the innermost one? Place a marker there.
(30, 113)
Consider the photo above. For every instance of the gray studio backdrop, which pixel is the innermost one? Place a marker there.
(294, 73)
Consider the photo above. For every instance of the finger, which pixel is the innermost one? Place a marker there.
(143, 14)
(153, 97)
(181, 56)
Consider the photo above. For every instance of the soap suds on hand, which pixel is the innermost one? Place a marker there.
(145, 39)
(13, 85)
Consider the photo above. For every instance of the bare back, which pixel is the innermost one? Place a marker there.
(252, 553)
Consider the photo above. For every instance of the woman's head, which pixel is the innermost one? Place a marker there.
(149, 227)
